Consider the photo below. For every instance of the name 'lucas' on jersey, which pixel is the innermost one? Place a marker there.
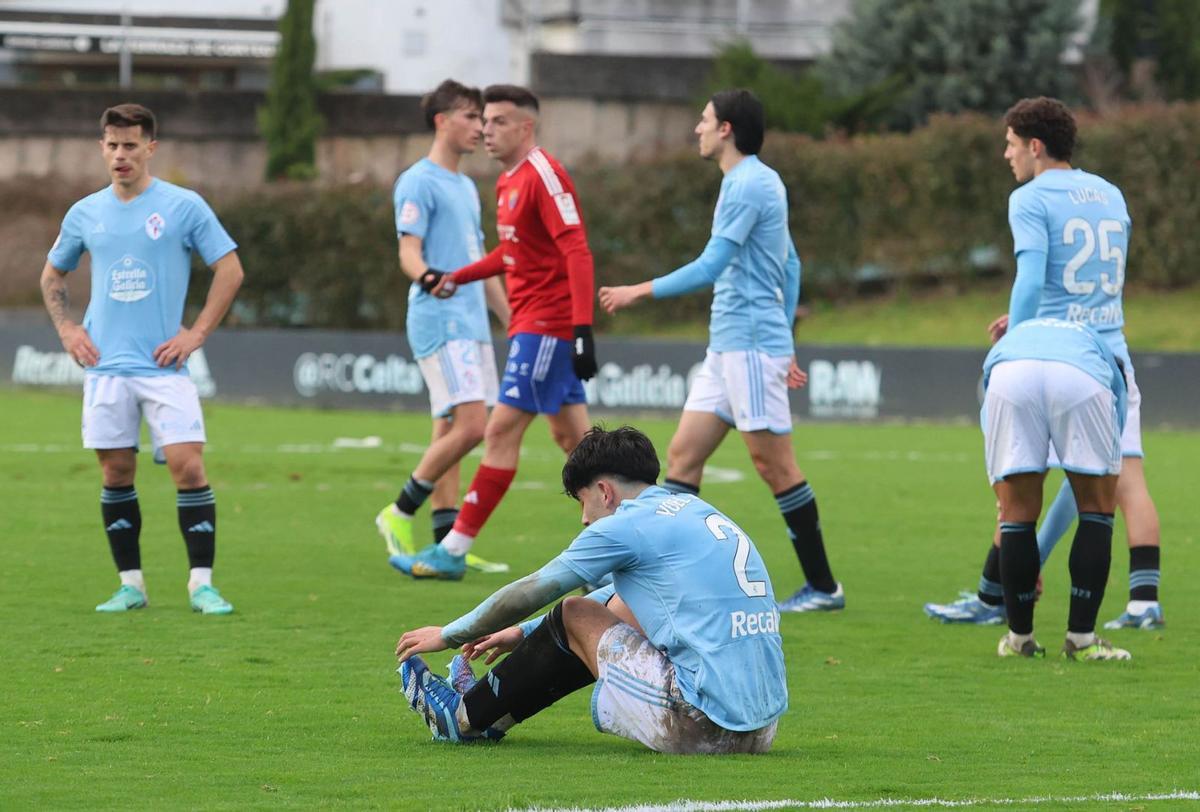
(1081, 223)
(141, 264)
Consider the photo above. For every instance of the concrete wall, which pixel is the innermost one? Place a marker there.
(210, 139)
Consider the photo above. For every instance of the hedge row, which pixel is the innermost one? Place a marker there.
(906, 209)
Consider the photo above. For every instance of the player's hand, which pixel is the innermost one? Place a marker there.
(796, 377)
(622, 296)
(998, 328)
(494, 645)
(78, 344)
(420, 641)
(437, 283)
(177, 349)
(583, 353)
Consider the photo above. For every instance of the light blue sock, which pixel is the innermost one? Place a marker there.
(1058, 520)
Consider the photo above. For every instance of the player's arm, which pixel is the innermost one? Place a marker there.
(491, 265)
(504, 608)
(1027, 218)
(698, 274)
(1027, 288)
(75, 339)
(412, 261)
(227, 279)
(497, 299)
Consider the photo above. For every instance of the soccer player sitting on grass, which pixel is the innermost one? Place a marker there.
(141, 233)
(1054, 383)
(684, 646)
(752, 267)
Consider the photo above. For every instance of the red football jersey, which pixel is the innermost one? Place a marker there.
(543, 248)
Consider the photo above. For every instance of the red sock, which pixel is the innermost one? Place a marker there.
(487, 489)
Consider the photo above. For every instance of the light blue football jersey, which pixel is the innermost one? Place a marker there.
(748, 309)
(442, 208)
(1080, 221)
(141, 263)
(1069, 342)
(701, 593)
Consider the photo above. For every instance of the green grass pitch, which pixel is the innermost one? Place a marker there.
(293, 702)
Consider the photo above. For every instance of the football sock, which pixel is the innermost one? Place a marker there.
(676, 486)
(133, 578)
(198, 577)
(1091, 556)
(198, 522)
(799, 509)
(123, 524)
(413, 495)
(487, 489)
(1081, 639)
(443, 521)
(1143, 573)
(540, 671)
(990, 590)
(1019, 573)
(457, 543)
(1057, 521)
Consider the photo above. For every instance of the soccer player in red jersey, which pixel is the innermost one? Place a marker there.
(544, 255)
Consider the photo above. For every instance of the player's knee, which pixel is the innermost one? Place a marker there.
(469, 434)
(117, 471)
(189, 472)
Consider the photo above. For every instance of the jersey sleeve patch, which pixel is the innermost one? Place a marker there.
(565, 202)
(409, 213)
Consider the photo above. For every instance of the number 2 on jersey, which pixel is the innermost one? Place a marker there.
(718, 525)
(1108, 253)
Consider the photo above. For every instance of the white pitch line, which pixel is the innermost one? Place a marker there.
(683, 805)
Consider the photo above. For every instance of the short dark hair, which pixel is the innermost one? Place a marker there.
(520, 96)
(744, 112)
(129, 115)
(624, 453)
(447, 96)
(1048, 120)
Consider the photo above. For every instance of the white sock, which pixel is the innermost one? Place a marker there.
(198, 577)
(134, 579)
(1017, 640)
(1138, 607)
(457, 543)
(1081, 639)
(396, 511)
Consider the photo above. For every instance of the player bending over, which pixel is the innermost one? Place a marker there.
(141, 232)
(1054, 384)
(1071, 239)
(437, 224)
(685, 655)
(752, 266)
(544, 256)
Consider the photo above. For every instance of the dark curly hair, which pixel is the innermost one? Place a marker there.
(1048, 120)
(624, 453)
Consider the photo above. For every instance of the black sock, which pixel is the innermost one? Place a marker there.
(1019, 565)
(1143, 573)
(990, 590)
(799, 509)
(198, 523)
(1091, 556)
(413, 495)
(678, 486)
(443, 523)
(123, 524)
(539, 672)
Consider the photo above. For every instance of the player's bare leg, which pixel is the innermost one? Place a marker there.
(696, 438)
(775, 462)
(586, 622)
(123, 525)
(197, 509)
(569, 425)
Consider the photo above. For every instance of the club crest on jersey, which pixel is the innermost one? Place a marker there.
(155, 225)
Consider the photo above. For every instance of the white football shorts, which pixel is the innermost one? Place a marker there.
(636, 697)
(1032, 406)
(113, 407)
(745, 388)
(1131, 435)
(460, 371)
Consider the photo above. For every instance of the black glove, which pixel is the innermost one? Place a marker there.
(429, 280)
(583, 353)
